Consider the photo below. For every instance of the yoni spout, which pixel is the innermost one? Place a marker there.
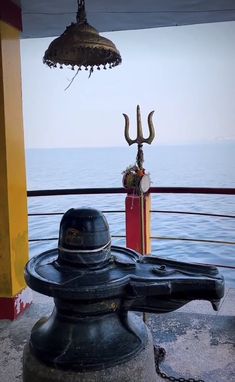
(161, 285)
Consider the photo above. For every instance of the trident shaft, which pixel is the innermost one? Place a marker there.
(140, 138)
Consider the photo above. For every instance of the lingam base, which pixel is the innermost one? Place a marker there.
(140, 368)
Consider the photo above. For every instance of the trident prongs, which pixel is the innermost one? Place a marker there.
(140, 138)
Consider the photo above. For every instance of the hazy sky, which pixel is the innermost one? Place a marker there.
(186, 74)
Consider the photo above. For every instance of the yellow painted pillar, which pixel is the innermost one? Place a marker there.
(14, 297)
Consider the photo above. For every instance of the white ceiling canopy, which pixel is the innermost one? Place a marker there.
(47, 18)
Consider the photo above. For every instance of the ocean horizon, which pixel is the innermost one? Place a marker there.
(194, 165)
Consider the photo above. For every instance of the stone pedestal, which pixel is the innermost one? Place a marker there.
(141, 368)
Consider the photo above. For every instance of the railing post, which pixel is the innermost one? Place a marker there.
(138, 222)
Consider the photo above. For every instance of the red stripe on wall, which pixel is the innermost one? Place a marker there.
(10, 13)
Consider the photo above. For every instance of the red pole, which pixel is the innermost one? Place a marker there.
(138, 222)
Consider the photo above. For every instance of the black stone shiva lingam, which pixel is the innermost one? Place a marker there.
(91, 335)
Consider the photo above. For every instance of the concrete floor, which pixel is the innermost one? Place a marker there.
(199, 342)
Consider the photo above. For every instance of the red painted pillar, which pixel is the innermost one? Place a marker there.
(138, 222)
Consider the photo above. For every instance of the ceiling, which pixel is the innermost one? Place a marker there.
(46, 18)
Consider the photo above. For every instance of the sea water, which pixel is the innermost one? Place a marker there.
(204, 165)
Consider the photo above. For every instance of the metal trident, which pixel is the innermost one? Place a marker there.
(140, 138)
